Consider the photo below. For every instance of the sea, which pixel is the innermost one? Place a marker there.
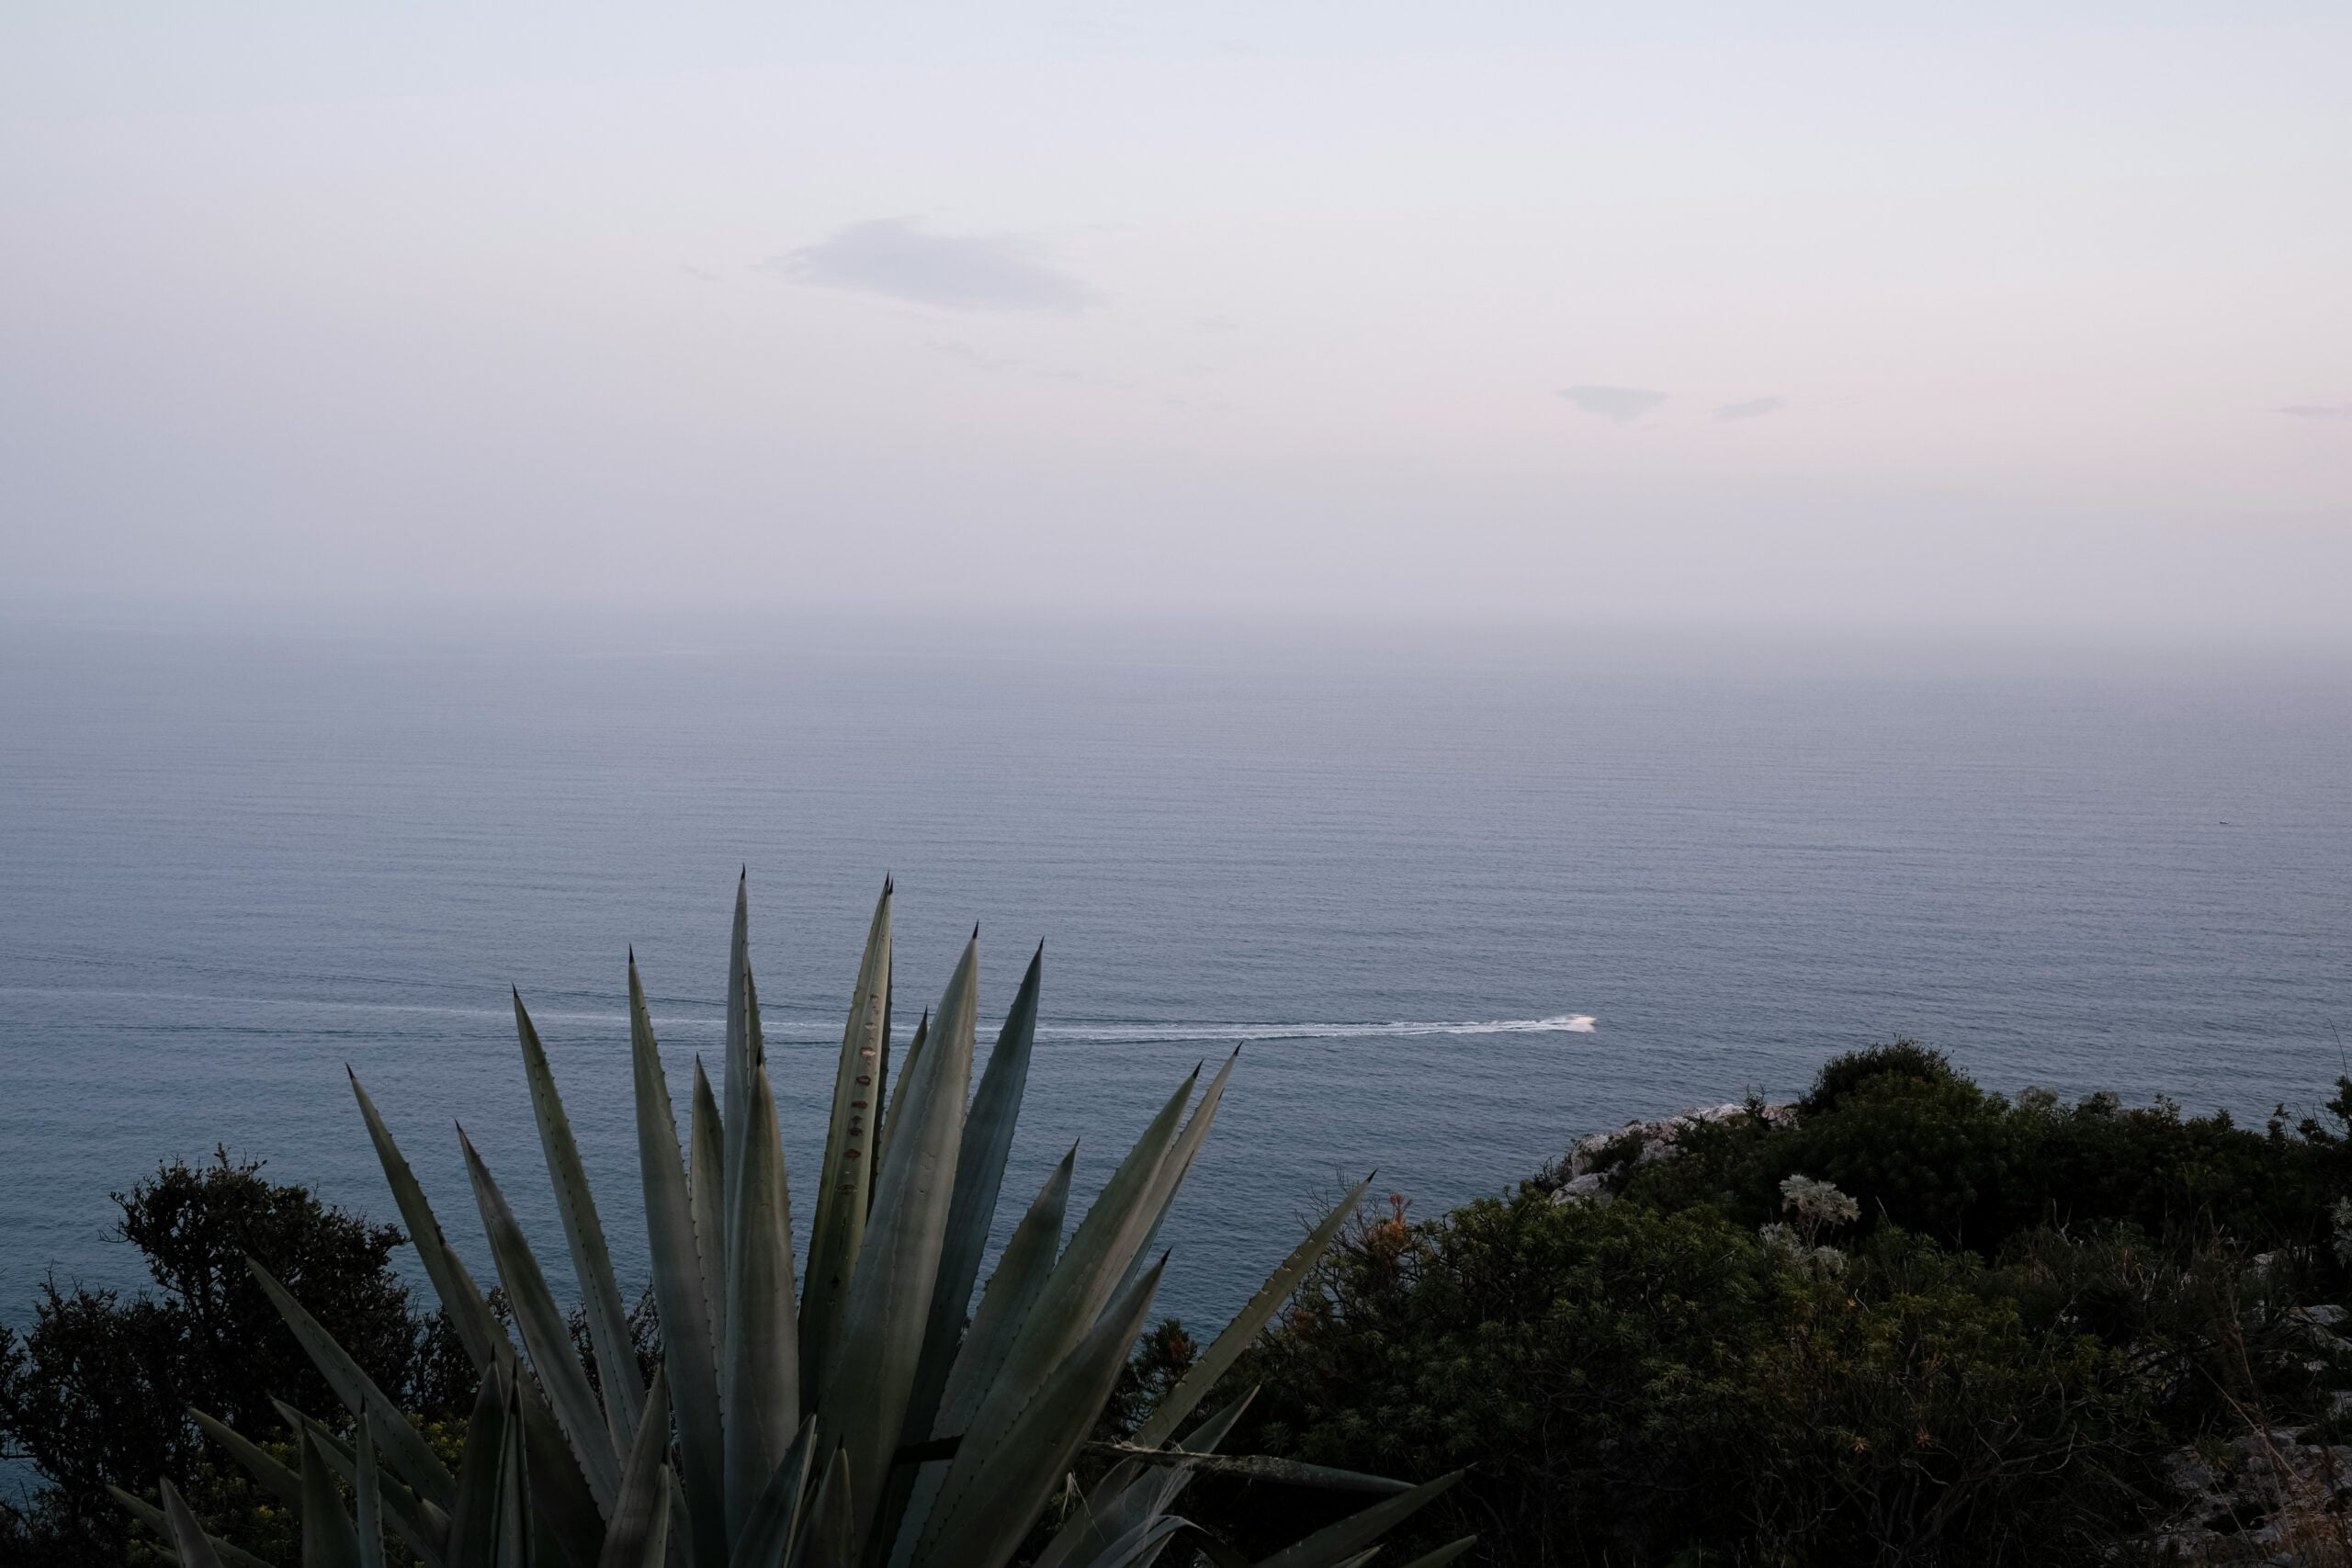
(1456, 896)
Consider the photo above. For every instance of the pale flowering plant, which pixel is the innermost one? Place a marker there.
(1814, 1208)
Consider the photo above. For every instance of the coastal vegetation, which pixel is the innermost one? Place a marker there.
(870, 1412)
(1900, 1321)
(2026, 1331)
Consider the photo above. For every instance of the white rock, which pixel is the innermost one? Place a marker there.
(1657, 1136)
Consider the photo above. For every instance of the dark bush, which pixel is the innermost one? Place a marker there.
(1906, 1059)
(1931, 1154)
(1584, 1362)
(1918, 1145)
(1627, 1386)
(1913, 1416)
(95, 1392)
(2036, 1301)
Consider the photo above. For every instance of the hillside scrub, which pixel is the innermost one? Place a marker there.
(95, 1392)
(1903, 1320)
(1924, 1148)
(2034, 1308)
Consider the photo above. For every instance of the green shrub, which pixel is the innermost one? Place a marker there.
(2036, 1302)
(1582, 1360)
(1919, 1146)
(1933, 1426)
(1932, 1154)
(95, 1392)
(1906, 1059)
(1628, 1386)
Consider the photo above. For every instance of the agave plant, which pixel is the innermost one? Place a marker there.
(869, 1415)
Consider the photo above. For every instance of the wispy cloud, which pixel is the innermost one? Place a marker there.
(697, 272)
(970, 356)
(2316, 411)
(897, 258)
(1029, 369)
(1754, 408)
(1619, 403)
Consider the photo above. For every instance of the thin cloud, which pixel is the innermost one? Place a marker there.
(1619, 403)
(2316, 411)
(1754, 408)
(1030, 370)
(970, 356)
(897, 259)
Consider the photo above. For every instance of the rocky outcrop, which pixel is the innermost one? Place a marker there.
(2267, 1498)
(2275, 1495)
(1596, 1163)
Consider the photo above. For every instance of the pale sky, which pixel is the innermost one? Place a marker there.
(1993, 314)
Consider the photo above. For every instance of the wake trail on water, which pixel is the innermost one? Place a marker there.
(1146, 1033)
(803, 1030)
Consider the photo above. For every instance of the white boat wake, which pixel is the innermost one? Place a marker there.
(1146, 1033)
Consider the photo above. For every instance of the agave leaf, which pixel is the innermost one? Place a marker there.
(560, 1502)
(881, 1108)
(678, 1292)
(844, 1181)
(469, 1313)
(1096, 1261)
(147, 1514)
(276, 1479)
(1259, 1467)
(1181, 1401)
(642, 1511)
(566, 1507)
(513, 1495)
(1171, 1175)
(890, 1300)
(1084, 1277)
(546, 1335)
(762, 1393)
(1132, 1496)
(980, 1178)
(195, 1546)
(1443, 1554)
(657, 1540)
(481, 1471)
(898, 1093)
(367, 1495)
(405, 1451)
(738, 1146)
(1022, 1270)
(707, 1187)
(491, 1527)
(1007, 1483)
(830, 1541)
(742, 1042)
(424, 1527)
(592, 1260)
(328, 1539)
(1206, 1438)
(768, 1532)
(1335, 1543)
(1141, 1544)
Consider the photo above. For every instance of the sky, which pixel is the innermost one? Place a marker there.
(2010, 316)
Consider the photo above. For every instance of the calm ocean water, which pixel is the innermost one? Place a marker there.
(233, 862)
